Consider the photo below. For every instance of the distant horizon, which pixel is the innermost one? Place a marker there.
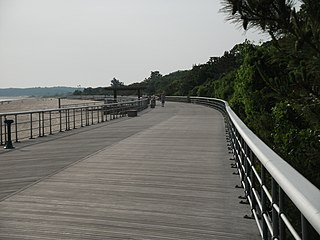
(41, 87)
(37, 91)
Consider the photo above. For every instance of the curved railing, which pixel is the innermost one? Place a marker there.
(275, 191)
(31, 124)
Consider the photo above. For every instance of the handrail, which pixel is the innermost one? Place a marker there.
(252, 156)
(73, 107)
(29, 124)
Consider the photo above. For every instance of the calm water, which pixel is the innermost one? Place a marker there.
(3, 99)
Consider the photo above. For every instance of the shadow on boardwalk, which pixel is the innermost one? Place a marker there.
(163, 175)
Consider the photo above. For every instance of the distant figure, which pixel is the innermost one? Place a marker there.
(162, 99)
(153, 101)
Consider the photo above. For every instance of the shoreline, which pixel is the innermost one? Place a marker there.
(11, 98)
(21, 104)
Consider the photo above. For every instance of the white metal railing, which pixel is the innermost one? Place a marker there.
(273, 188)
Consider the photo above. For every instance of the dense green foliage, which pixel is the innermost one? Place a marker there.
(197, 81)
(279, 80)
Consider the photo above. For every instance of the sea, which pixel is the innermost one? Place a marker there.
(10, 98)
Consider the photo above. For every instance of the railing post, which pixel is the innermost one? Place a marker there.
(87, 117)
(5, 131)
(108, 111)
(111, 112)
(69, 119)
(1, 138)
(264, 203)
(275, 215)
(81, 117)
(98, 114)
(241, 159)
(16, 127)
(60, 120)
(92, 111)
(39, 124)
(50, 123)
(31, 126)
(66, 119)
(236, 153)
(282, 230)
(74, 118)
(43, 124)
(246, 167)
(122, 111)
(9, 141)
(253, 182)
(117, 110)
(102, 113)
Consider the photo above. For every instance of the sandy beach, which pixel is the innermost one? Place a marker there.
(26, 104)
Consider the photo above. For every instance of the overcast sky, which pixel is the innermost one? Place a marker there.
(88, 42)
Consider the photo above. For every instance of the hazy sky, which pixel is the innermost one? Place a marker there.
(88, 42)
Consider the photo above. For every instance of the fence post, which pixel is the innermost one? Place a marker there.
(98, 114)
(275, 216)
(1, 139)
(264, 203)
(9, 141)
(74, 118)
(39, 124)
(87, 117)
(92, 111)
(66, 119)
(16, 127)
(43, 124)
(102, 114)
(282, 230)
(81, 117)
(31, 127)
(50, 123)
(60, 120)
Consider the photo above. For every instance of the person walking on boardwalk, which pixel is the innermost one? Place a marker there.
(162, 99)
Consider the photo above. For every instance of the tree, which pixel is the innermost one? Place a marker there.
(116, 83)
(152, 83)
(295, 34)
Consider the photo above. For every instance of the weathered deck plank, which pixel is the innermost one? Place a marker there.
(163, 175)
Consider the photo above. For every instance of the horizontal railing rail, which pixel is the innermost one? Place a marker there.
(284, 204)
(39, 123)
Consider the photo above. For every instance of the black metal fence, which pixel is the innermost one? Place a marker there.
(32, 124)
(283, 203)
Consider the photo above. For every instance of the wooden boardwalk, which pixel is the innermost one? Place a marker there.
(162, 175)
